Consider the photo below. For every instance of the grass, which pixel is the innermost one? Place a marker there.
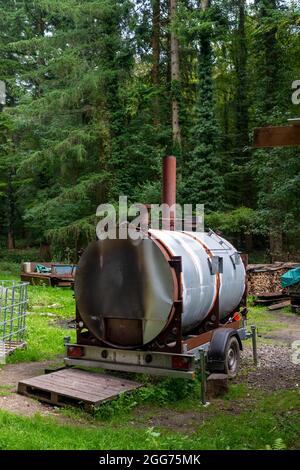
(46, 307)
(267, 321)
(258, 427)
(5, 390)
(244, 419)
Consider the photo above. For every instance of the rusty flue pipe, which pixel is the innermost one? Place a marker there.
(169, 191)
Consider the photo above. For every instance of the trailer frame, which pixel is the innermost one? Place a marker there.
(187, 364)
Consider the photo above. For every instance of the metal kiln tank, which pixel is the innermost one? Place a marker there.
(125, 290)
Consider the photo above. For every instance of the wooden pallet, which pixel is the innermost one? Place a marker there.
(269, 298)
(11, 346)
(266, 302)
(75, 387)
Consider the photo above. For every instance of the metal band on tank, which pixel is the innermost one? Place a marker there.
(168, 254)
(218, 280)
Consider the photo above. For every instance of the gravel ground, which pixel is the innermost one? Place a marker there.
(276, 370)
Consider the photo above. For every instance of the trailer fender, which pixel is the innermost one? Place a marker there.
(217, 347)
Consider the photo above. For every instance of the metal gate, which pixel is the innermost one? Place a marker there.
(13, 308)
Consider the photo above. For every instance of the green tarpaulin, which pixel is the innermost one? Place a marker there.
(290, 278)
(41, 269)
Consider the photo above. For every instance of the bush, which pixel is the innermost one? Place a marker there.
(240, 220)
(18, 256)
(9, 268)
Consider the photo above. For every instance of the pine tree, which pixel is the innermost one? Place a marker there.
(11, 28)
(81, 63)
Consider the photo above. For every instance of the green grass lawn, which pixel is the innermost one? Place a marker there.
(244, 419)
(271, 423)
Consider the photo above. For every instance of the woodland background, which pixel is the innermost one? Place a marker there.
(99, 91)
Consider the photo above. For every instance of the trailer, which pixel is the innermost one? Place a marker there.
(219, 352)
(172, 303)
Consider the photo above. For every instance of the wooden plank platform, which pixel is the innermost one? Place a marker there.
(11, 346)
(270, 298)
(75, 387)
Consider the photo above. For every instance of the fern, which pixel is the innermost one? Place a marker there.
(278, 444)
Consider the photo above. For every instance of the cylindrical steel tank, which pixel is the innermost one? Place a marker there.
(125, 290)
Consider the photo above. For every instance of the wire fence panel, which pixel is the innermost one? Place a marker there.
(13, 309)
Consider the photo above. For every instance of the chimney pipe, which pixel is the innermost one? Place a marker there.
(169, 189)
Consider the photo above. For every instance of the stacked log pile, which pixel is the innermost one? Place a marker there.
(266, 277)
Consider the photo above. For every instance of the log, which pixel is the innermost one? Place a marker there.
(280, 305)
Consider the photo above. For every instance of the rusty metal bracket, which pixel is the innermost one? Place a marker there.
(176, 263)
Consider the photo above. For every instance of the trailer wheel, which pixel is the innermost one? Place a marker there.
(232, 357)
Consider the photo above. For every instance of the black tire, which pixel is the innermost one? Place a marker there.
(232, 357)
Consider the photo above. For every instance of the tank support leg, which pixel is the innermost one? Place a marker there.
(254, 344)
(203, 376)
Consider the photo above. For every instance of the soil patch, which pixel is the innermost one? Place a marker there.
(10, 375)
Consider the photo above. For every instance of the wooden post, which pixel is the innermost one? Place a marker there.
(217, 385)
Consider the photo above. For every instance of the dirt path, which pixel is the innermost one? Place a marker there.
(288, 334)
(10, 400)
(11, 374)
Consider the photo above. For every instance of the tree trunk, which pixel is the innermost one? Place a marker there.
(175, 78)
(40, 31)
(248, 242)
(205, 4)
(45, 252)
(11, 213)
(242, 108)
(276, 244)
(242, 120)
(11, 245)
(156, 56)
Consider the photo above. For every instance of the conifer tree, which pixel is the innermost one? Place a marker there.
(204, 180)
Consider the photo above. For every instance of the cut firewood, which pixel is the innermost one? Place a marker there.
(263, 278)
